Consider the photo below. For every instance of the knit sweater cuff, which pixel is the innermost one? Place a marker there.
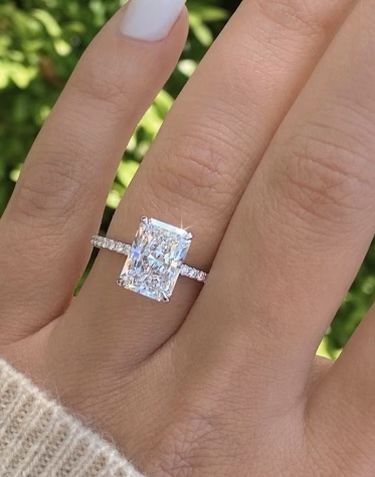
(38, 438)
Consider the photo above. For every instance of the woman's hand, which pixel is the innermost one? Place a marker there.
(268, 157)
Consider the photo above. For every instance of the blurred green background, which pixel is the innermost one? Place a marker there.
(41, 41)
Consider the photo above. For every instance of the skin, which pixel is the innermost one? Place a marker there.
(268, 157)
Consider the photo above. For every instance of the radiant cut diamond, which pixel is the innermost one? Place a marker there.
(155, 259)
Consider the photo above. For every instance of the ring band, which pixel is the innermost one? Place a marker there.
(155, 259)
(105, 243)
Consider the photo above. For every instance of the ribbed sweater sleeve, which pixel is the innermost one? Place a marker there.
(38, 438)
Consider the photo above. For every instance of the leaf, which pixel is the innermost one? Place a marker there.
(49, 23)
(126, 171)
(187, 67)
(200, 30)
(208, 13)
(151, 121)
(163, 102)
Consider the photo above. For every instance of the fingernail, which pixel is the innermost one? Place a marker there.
(150, 20)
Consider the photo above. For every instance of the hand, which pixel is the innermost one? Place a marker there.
(268, 157)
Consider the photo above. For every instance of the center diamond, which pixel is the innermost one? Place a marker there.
(154, 262)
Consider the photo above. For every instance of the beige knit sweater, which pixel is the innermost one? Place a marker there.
(38, 438)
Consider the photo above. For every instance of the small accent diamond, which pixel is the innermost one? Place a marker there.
(193, 273)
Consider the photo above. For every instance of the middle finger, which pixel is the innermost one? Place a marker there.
(303, 225)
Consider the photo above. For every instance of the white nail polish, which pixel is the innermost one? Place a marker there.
(150, 20)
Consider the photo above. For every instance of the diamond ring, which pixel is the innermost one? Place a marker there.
(155, 259)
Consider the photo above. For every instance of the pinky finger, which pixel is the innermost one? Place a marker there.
(343, 403)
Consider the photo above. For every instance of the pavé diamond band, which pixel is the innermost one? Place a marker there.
(155, 259)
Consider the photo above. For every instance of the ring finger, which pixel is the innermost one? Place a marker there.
(204, 157)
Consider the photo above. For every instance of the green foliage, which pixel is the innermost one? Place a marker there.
(41, 41)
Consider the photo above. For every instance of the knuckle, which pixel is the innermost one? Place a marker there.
(297, 15)
(325, 175)
(196, 169)
(101, 82)
(49, 191)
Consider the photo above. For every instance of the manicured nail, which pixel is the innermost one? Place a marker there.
(150, 20)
